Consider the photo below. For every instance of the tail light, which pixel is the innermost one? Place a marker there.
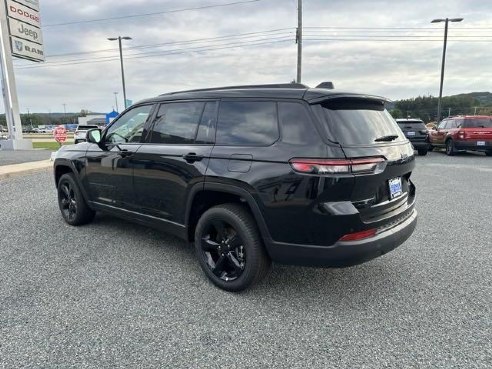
(359, 235)
(461, 135)
(338, 166)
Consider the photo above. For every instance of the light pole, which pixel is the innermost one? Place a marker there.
(65, 113)
(116, 100)
(299, 41)
(119, 38)
(446, 21)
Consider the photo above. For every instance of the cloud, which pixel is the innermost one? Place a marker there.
(346, 51)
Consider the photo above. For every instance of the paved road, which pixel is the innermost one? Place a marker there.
(115, 294)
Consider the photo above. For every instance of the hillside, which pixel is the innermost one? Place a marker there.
(425, 107)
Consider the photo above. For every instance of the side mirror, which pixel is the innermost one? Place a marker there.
(94, 136)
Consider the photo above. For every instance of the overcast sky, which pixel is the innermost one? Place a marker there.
(384, 47)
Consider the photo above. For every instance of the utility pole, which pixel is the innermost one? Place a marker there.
(119, 38)
(116, 101)
(299, 41)
(446, 21)
(65, 113)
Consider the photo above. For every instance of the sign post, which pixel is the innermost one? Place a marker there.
(20, 35)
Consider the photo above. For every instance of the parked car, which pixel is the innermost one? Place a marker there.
(81, 132)
(251, 174)
(471, 132)
(416, 132)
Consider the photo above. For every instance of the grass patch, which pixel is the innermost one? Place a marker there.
(53, 146)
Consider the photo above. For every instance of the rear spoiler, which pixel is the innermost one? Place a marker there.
(315, 96)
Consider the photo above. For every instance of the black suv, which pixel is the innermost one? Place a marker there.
(416, 132)
(251, 174)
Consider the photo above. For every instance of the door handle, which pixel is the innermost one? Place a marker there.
(125, 153)
(192, 157)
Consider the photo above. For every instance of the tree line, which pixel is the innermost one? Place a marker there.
(425, 107)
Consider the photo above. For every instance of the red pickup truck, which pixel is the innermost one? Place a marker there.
(462, 133)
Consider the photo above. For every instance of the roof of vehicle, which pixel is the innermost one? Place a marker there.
(470, 117)
(285, 91)
(403, 120)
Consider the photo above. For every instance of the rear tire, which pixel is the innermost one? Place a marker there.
(73, 206)
(430, 148)
(488, 153)
(229, 248)
(422, 152)
(450, 150)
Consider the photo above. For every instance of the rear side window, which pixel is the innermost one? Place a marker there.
(358, 122)
(247, 123)
(478, 123)
(295, 125)
(176, 123)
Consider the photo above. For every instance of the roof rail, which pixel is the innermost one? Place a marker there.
(275, 85)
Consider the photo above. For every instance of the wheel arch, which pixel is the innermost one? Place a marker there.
(212, 194)
(63, 166)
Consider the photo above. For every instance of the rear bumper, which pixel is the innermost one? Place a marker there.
(420, 145)
(344, 254)
(473, 145)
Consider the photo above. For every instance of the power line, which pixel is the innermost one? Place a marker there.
(200, 40)
(150, 14)
(147, 55)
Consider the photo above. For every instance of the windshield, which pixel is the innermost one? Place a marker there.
(86, 128)
(478, 123)
(358, 122)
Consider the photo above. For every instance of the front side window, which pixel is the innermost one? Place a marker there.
(129, 127)
(247, 123)
(176, 123)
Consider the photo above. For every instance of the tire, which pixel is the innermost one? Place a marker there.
(76, 142)
(488, 153)
(422, 152)
(229, 248)
(430, 148)
(72, 204)
(450, 151)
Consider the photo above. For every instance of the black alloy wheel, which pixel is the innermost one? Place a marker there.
(72, 204)
(229, 247)
(224, 250)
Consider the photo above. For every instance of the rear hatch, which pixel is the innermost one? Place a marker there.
(366, 132)
(477, 129)
(414, 130)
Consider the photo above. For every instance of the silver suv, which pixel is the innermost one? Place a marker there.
(81, 132)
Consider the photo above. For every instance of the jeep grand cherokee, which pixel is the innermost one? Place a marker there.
(251, 175)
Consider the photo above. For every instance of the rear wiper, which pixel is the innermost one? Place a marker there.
(386, 138)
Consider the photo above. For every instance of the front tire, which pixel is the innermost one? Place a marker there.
(422, 152)
(450, 150)
(73, 206)
(229, 248)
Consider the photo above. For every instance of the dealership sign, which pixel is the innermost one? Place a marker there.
(27, 49)
(25, 31)
(24, 25)
(33, 4)
(23, 13)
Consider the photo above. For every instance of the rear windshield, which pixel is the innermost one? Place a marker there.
(478, 123)
(358, 122)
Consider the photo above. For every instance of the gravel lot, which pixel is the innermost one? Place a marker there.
(114, 294)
